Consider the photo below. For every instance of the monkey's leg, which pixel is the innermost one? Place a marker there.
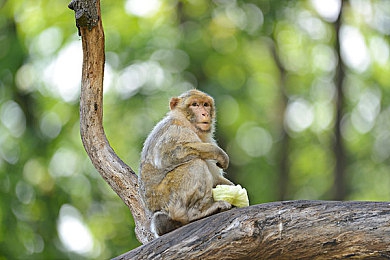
(190, 196)
(216, 207)
(198, 190)
(223, 181)
(217, 174)
(162, 223)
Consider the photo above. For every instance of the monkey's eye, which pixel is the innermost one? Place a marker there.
(194, 104)
(206, 104)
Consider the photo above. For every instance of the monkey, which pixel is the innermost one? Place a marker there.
(181, 163)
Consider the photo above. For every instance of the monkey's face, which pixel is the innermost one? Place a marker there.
(201, 115)
(198, 108)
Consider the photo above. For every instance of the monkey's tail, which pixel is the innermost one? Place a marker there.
(162, 223)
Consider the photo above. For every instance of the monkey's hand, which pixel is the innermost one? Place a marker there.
(222, 159)
(220, 166)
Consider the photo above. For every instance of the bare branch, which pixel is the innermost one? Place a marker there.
(280, 230)
(115, 172)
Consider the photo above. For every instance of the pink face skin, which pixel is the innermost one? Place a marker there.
(199, 111)
(202, 112)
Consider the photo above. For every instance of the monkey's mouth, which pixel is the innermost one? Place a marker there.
(204, 126)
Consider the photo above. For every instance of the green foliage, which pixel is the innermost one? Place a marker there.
(269, 64)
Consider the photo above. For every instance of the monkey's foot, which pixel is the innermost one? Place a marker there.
(162, 223)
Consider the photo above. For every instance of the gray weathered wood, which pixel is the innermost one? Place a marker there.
(280, 230)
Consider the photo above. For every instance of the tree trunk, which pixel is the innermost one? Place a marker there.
(280, 230)
(284, 142)
(339, 186)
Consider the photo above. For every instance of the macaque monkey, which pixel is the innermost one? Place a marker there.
(181, 164)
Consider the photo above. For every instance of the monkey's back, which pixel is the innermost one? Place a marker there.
(161, 150)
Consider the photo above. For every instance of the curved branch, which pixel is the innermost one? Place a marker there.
(115, 172)
(280, 230)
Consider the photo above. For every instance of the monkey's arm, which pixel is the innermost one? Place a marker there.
(172, 145)
(205, 151)
(220, 180)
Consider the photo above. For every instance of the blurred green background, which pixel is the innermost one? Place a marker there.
(302, 96)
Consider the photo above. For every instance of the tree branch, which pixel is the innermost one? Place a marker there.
(115, 172)
(280, 230)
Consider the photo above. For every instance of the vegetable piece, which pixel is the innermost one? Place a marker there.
(235, 195)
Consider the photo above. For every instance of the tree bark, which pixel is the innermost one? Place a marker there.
(284, 142)
(280, 230)
(115, 172)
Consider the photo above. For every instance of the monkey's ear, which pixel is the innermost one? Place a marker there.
(173, 103)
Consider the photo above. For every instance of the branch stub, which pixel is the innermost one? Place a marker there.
(86, 13)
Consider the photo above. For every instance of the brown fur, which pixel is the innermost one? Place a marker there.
(179, 164)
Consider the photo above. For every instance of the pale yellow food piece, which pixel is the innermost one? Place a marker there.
(235, 195)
